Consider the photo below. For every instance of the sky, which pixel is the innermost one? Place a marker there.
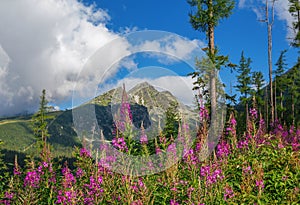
(78, 49)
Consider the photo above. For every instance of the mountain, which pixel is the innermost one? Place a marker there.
(147, 104)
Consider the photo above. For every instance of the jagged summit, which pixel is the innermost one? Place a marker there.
(143, 93)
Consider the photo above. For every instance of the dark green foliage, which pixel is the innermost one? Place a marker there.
(293, 94)
(258, 83)
(280, 85)
(201, 19)
(244, 81)
(40, 120)
(205, 16)
(172, 121)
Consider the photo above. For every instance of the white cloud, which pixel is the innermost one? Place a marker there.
(281, 12)
(47, 43)
(163, 47)
(241, 3)
(172, 48)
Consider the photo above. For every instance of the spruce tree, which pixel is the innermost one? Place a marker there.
(40, 121)
(293, 90)
(244, 81)
(204, 17)
(258, 92)
(280, 85)
(172, 120)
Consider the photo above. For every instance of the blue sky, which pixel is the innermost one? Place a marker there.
(53, 43)
(240, 32)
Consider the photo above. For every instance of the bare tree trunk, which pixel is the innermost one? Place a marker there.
(266, 108)
(213, 91)
(270, 25)
(275, 99)
(247, 115)
(281, 105)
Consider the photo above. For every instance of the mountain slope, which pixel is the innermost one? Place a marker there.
(148, 106)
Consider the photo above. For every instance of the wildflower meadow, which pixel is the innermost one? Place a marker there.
(258, 167)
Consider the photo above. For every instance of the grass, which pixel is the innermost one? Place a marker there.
(258, 168)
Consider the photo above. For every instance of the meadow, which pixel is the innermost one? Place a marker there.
(257, 168)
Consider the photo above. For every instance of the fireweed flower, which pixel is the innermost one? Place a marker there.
(203, 114)
(232, 124)
(242, 144)
(94, 187)
(69, 179)
(144, 139)
(173, 189)
(228, 193)
(125, 116)
(45, 164)
(204, 170)
(158, 150)
(190, 157)
(233, 121)
(119, 143)
(17, 171)
(8, 196)
(125, 112)
(85, 153)
(211, 176)
(70, 195)
(173, 202)
(172, 150)
(189, 191)
(259, 136)
(66, 197)
(137, 202)
(32, 179)
(79, 173)
(198, 146)
(247, 170)
(253, 113)
(223, 149)
(260, 184)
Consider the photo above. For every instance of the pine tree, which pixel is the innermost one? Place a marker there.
(172, 121)
(205, 17)
(244, 81)
(280, 84)
(258, 83)
(293, 91)
(40, 123)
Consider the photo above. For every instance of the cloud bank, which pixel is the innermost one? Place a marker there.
(47, 44)
(43, 45)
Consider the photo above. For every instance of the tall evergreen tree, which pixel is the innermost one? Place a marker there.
(244, 81)
(293, 90)
(40, 123)
(205, 17)
(258, 83)
(172, 121)
(280, 84)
